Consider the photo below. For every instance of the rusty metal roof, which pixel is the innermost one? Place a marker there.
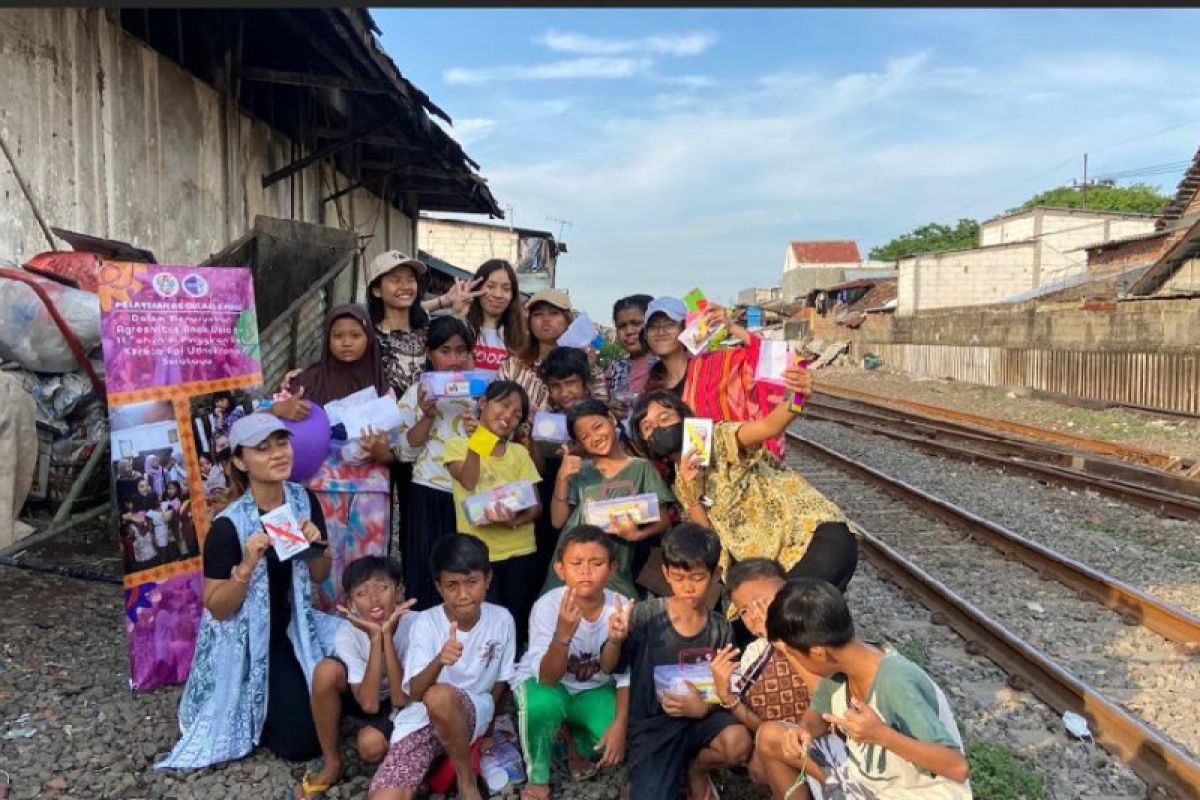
(826, 252)
(320, 77)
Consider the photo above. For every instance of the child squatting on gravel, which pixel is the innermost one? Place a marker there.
(459, 663)
(559, 681)
(901, 738)
(364, 677)
(667, 644)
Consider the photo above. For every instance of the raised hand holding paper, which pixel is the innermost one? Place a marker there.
(697, 438)
(774, 356)
(581, 333)
(286, 534)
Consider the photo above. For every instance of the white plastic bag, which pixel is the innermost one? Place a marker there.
(29, 335)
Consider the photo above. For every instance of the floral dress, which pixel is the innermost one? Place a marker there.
(758, 506)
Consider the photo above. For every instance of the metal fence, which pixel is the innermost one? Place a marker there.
(1165, 381)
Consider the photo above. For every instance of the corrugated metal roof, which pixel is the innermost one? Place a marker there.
(843, 251)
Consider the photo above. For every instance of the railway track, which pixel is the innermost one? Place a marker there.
(1172, 495)
(1167, 465)
(1078, 639)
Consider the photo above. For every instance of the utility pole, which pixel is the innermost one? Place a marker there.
(562, 223)
(1085, 181)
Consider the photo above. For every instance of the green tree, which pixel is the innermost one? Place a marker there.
(1136, 198)
(931, 238)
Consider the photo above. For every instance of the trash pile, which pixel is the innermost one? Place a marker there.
(50, 345)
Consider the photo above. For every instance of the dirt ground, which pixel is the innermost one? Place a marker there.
(1179, 436)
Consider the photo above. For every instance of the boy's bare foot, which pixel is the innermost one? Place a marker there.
(469, 789)
(700, 785)
(535, 792)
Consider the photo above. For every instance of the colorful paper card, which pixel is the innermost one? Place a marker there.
(697, 438)
(695, 301)
(287, 537)
(482, 441)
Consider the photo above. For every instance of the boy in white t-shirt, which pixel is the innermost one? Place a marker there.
(559, 680)
(364, 678)
(459, 664)
(901, 739)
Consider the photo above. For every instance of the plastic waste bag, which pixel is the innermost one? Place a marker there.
(29, 335)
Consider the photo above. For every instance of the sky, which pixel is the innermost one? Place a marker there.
(687, 147)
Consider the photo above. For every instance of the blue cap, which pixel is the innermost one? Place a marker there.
(252, 429)
(673, 307)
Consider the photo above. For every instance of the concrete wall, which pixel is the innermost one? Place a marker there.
(1006, 230)
(1134, 326)
(799, 281)
(1185, 280)
(964, 277)
(120, 142)
(466, 246)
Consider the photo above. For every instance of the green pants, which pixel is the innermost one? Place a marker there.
(544, 709)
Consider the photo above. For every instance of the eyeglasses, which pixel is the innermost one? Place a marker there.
(662, 327)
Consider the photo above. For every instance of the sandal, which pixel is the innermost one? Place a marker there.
(309, 791)
(582, 769)
(710, 792)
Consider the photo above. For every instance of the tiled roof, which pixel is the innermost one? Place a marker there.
(835, 252)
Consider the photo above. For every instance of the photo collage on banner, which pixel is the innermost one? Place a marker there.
(182, 360)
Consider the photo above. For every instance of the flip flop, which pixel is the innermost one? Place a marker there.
(583, 770)
(311, 791)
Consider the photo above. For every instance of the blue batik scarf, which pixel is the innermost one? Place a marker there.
(224, 702)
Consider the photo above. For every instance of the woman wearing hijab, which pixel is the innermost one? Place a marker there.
(353, 484)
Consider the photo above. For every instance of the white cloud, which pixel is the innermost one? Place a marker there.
(687, 81)
(571, 69)
(667, 44)
(471, 131)
(678, 190)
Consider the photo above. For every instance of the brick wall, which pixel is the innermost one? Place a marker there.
(466, 246)
(965, 277)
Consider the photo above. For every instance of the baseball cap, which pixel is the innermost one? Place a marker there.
(673, 307)
(252, 429)
(555, 297)
(388, 260)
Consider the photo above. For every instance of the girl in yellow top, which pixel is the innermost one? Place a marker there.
(508, 535)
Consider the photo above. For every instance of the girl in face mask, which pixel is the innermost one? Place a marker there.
(758, 506)
(604, 472)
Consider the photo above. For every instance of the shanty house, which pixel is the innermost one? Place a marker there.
(807, 265)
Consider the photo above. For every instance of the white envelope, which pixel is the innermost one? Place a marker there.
(334, 409)
(382, 414)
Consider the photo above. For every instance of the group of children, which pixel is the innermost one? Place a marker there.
(538, 604)
(657, 683)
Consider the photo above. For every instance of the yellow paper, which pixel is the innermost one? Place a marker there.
(482, 441)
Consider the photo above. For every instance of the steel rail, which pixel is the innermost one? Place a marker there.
(1168, 621)
(1137, 455)
(1156, 760)
(1158, 500)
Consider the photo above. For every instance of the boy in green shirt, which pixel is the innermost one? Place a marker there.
(901, 739)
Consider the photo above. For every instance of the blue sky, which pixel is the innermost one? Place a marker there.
(687, 147)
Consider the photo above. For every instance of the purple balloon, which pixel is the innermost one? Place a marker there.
(310, 442)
